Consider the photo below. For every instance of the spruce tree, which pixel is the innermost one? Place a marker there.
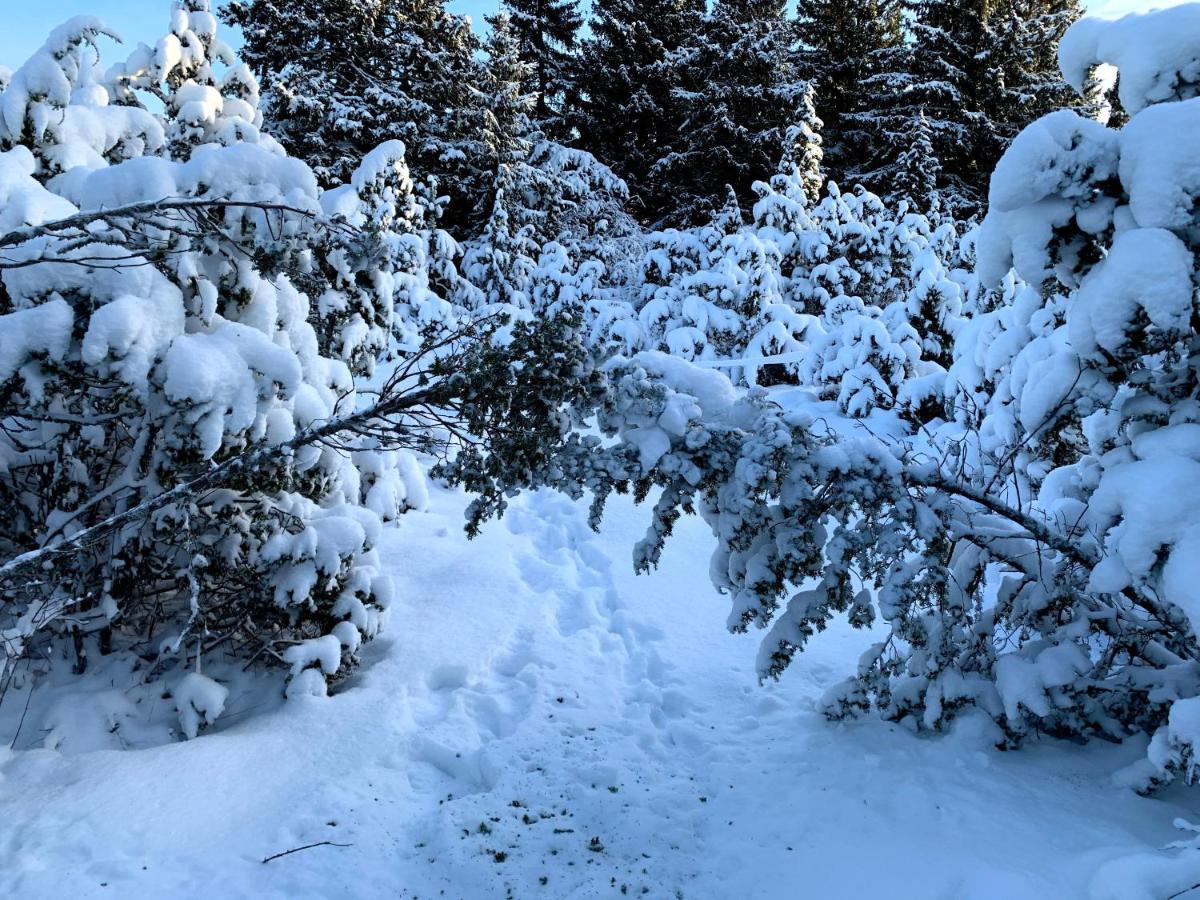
(977, 72)
(949, 65)
(803, 147)
(1026, 35)
(918, 171)
(843, 42)
(508, 129)
(743, 93)
(630, 109)
(547, 35)
(342, 76)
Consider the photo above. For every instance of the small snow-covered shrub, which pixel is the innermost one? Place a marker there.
(718, 292)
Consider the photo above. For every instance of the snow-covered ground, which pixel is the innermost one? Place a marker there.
(536, 721)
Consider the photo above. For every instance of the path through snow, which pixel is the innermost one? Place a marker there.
(537, 722)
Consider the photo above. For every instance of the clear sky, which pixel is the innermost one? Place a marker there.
(26, 22)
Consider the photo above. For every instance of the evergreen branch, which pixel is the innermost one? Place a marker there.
(143, 210)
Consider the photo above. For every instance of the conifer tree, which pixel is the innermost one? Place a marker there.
(547, 35)
(630, 110)
(342, 76)
(918, 170)
(977, 72)
(803, 151)
(843, 42)
(1026, 35)
(507, 104)
(743, 92)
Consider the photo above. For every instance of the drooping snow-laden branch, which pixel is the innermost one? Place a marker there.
(125, 226)
(1068, 546)
(142, 211)
(378, 419)
(462, 391)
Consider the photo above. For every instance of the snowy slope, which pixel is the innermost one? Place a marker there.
(538, 722)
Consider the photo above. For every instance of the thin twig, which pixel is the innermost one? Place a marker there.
(305, 847)
(21, 724)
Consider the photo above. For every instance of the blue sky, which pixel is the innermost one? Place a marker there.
(26, 22)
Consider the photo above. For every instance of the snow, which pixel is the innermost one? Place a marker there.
(1157, 53)
(45, 329)
(1162, 176)
(594, 729)
(23, 201)
(222, 377)
(135, 331)
(1152, 506)
(1148, 273)
(198, 700)
(325, 651)
(1045, 181)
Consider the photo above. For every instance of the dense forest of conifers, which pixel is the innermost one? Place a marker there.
(914, 99)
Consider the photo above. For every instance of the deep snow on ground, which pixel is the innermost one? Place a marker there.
(537, 722)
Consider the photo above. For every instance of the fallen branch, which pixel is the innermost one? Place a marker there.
(305, 847)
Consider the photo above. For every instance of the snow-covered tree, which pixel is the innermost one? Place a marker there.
(803, 151)
(917, 172)
(629, 110)
(501, 262)
(1026, 37)
(341, 77)
(717, 293)
(153, 336)
(41, 112)
(878, 279)
(972, 75)
(190, 467)
(742, 94)
(547, 33)
(843, 44)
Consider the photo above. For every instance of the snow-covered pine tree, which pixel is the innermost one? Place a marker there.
(843, 44)
(944, 75)
(547, 33)
(977, 72)
(803, 153)
(1026, 36)
(500, 263)
(509, 131)
(210, 96)
(543, 192)
(341, 77)
(782, 215)
(717, 292)
(62, 134)
(916, 176)
(189, 469)
(629, 109)
(742, 92)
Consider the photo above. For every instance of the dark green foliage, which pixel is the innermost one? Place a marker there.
(629, 111)
(742, 93)
(844, 45)
(342, 76)
(547, 32)
(976, 72)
